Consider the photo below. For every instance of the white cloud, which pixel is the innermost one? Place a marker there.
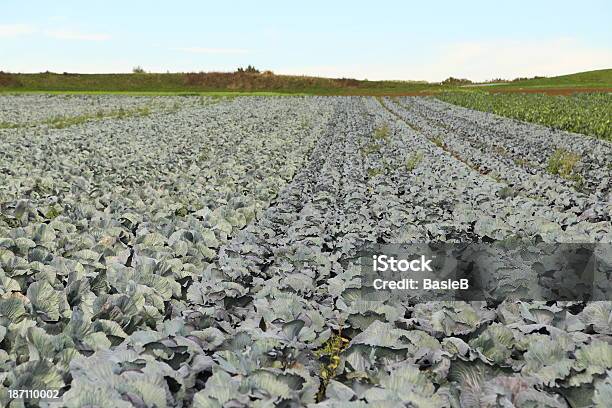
(15, 30)
(65, 34)
(509, 59)
(204, 50)
(477, 60)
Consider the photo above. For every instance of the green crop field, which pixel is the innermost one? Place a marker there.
(587, 113)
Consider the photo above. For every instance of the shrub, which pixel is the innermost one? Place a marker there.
(248, 70)
(9, 80)
(413, 161)
(562, 163)
(456, 81)
(438, 141)
(382, 132)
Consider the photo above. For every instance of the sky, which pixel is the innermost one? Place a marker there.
(406, 40)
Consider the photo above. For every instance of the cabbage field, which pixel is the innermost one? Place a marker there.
(198, 252)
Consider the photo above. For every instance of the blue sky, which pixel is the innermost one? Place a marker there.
(420, 40)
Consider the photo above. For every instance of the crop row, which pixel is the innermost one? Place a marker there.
(64, 110)
(532, 149)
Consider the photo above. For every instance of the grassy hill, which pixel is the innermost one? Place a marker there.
(212, 82)
(601, 78)
(268, 83)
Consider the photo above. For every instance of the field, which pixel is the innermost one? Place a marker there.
(586, 113)
(198, 251)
